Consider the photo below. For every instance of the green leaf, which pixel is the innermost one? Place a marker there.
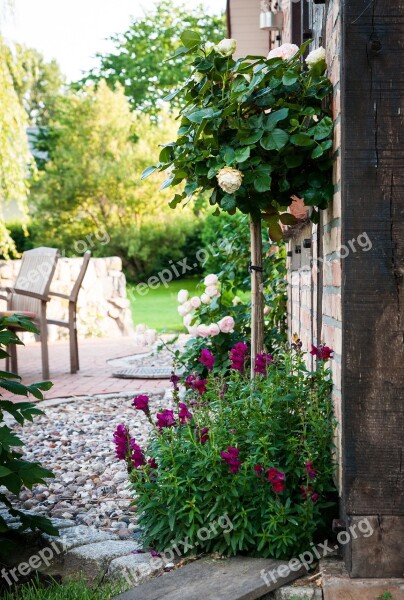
(301, 139)
(317, 152)
(242, 154)
(275, 140)
(262, 182)
(287, 219)
(248, 137)
(228, 202)
(274, 117)
(229, 156)
(275, 232)
(167, 183)
(8, 439)
(4, 471)
(190, 38)
(175, 201)
(290, 77)
(293, 160)
(199, 115)
(148, 172)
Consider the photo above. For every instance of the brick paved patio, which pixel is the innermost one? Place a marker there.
(95, 375)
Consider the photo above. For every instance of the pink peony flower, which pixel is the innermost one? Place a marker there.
(211, 280)
(203, 331)
(226, 324)
(285, 52)
(206, 299)
(214, 329)
(195, 302)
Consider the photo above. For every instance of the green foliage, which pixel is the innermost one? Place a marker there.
(40, 589)
(264, 118)
(278, 421)
(140, 60)
(15, 158)
(37, 83)
(228, 237)
(22, 235)
(91, 183)
(15, 472)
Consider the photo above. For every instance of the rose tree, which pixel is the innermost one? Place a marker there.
(254, 133)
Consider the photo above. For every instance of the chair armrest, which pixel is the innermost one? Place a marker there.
(30, 294)
(4, 298)
(65, 296)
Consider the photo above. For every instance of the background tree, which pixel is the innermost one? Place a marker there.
(91, 183)
(15, 158)
(140, 63)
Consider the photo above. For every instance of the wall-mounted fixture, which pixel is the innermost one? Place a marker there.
(307, 243)
(298, 249)
(271, 18)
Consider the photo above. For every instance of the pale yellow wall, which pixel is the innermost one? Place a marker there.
(245, 28)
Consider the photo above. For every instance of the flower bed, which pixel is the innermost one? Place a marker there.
(258, 453)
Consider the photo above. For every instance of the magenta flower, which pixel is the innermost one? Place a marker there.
(202, 435)
(237, 356)
(195, 383)
(276, 479)
(138, 458)
(311, 472)
(121, 441)
(321, 352)
(155, 554)
(174, 380)
(142, 403)
(231, 458)
(165, 419)
(184, 414)
(152, 463)
(308, 492)
(261, 362)
(207, 359)
(259, 469)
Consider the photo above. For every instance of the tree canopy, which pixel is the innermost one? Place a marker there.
(140, 63)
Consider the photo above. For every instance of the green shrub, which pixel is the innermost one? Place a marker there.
(257, 454)
(15, 472)
(21, 240)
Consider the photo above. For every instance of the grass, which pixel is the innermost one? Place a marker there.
(158, 308)
(77, 590)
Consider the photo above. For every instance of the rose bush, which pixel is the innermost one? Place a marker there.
(257, 451)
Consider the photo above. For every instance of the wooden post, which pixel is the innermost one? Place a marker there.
(257, 300)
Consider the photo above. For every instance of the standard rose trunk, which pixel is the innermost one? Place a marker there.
(257, 299)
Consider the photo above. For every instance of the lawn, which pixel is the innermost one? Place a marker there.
(158, 308)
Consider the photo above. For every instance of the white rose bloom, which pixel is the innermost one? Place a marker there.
(193, 330)
(285, 52)
(182, 296)
(211, 280)
(226, 47)
(184, 309)
(316, 56)
(197, 77)
(229, 179)
(206, 299)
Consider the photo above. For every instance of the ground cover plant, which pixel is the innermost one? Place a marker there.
(258, 452)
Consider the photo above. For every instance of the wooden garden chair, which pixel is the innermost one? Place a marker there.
(29, 296)
(71, 322)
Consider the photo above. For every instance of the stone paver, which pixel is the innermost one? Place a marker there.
(95, 375)
(237, 578)
(79, 535)
(134, 568)
(92, 560)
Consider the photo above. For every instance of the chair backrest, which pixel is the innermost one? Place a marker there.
(77, 285)
(35, 275)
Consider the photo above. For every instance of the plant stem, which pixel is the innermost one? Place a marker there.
(257, 299)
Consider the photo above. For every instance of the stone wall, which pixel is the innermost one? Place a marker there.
(103, 306)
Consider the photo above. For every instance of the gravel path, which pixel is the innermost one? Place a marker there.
(74, 440)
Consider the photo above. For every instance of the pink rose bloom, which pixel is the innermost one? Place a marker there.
(212, 291)
(285, 52)
(184, 309)
(226, 325)
(203, 331)
(193, 330)
(182, 296)
(195, 302)
(214, 329)
(187, 320)
(206, 299)
(211, 280)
